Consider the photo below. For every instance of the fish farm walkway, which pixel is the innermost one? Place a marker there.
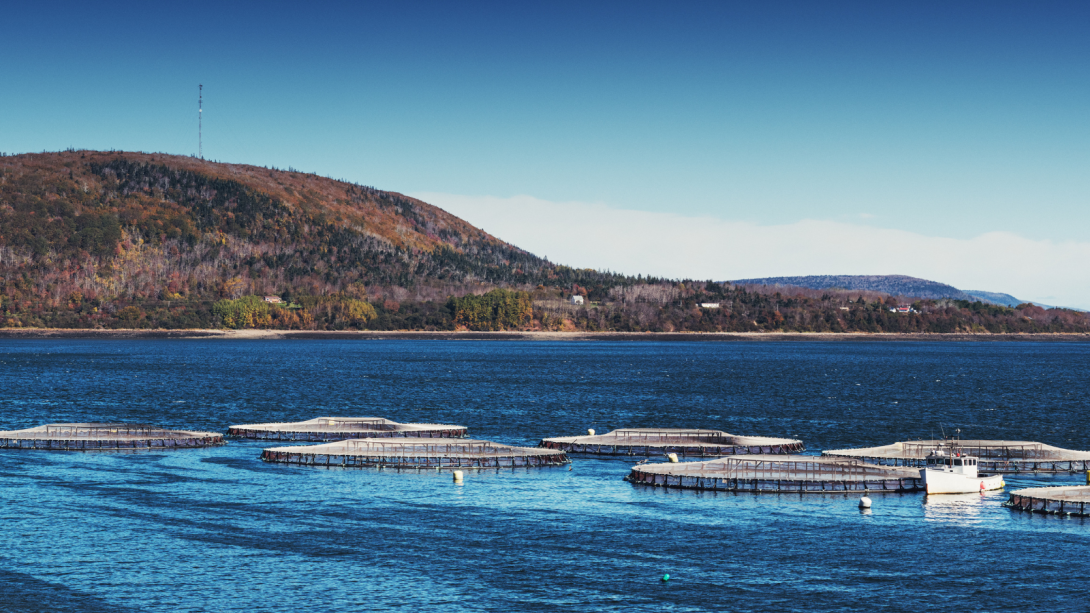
(105, 436)
(415, 454)
(661, 441)
(1073, 500)
(342, 428)
(1005, 457)
(794, 474)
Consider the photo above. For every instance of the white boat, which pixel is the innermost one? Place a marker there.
(950, 471)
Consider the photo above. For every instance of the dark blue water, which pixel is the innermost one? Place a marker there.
(218, 530)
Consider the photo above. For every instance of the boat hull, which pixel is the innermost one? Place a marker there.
(940, 482)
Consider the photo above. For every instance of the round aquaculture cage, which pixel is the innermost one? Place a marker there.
(415, 453)
(342, 428)
(993, 456)
(1073, 500)
(794, 474)
(662, 441)
(105, 436)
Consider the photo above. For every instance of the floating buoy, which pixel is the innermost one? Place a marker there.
(672, 457)
(457, 476)
(590, 431)
(864, 502)
(666, 577)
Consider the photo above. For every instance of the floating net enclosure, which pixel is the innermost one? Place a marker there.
(341, 428)
(659, 441)
(1052, 500)
(105, 436)
(415, 453)
(995, 456)
(796, 474)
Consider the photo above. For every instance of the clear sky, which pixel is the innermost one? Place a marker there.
(940, 121)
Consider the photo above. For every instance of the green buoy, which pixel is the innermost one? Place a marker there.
(666, 577)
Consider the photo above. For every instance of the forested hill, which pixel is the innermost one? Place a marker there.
(285, 229)
(168, 228)
(135, 240)
(896, 285)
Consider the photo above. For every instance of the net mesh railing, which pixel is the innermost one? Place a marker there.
(794, 469)
(998, 451)
(360, 423)
(423, 447)
(1076, 492)
(709, 436)
(106, 430)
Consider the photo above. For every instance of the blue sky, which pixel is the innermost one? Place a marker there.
(945, 122)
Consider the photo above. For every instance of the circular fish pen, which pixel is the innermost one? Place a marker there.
(661, 441)
(105, 437)
(1005, 457)
(791, 474)
(342, 428)
(415, 454)
(1073, 500)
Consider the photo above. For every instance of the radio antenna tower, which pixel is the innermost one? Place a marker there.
(200, 120)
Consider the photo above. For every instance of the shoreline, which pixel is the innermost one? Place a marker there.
(84, 334)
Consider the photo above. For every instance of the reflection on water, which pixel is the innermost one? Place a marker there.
(962, 509)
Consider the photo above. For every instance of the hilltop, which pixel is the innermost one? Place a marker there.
(286, 227)
(894, 285)
(93, 239)
(1001, 298)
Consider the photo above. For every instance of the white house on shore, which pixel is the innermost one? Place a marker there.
(576, 299)
(709, 305)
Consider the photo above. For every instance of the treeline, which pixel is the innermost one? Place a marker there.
(681, 307)
(499, 309)
(678, 308)
(96, 240)
(325, 312)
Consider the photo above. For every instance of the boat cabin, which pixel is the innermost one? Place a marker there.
(957, 463)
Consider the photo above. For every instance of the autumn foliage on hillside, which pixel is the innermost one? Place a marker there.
(721, 307)
(92, 239)
(136, 240)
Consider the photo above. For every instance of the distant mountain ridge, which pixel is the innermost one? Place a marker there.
(999, 298)
(895, 285)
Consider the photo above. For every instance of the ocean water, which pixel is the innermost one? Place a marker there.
(218, 530)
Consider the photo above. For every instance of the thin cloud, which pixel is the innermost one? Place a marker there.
(588, 235)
